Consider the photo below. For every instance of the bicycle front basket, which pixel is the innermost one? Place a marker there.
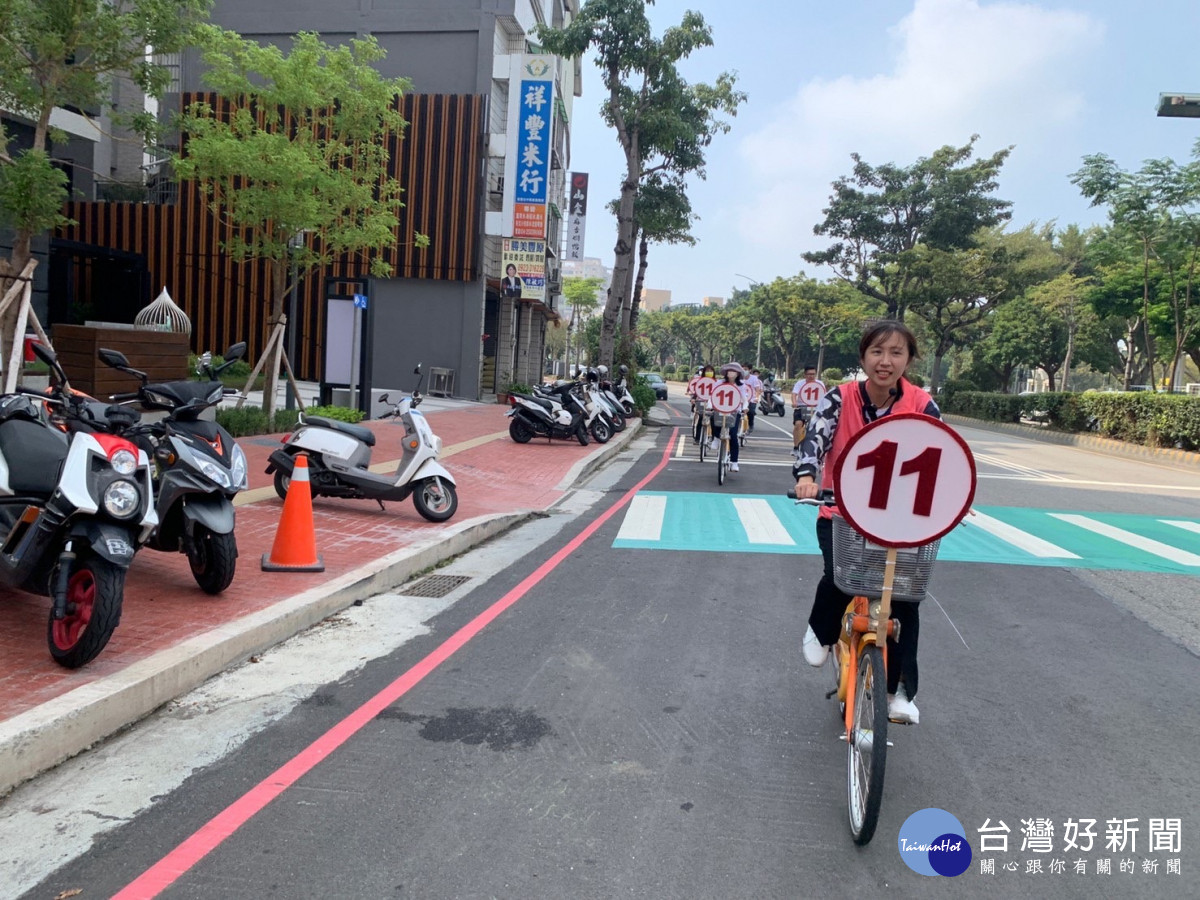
(858, 565)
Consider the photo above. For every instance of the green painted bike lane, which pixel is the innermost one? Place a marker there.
(1007, 535)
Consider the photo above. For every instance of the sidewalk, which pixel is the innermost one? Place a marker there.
(173, 636)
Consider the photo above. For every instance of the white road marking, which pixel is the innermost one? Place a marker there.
(1157, 548)
(761, 524)
(1022, 540)
(644, 519)
(1016, 467)
(1186, 526)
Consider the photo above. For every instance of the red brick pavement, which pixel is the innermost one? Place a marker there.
(163, 606)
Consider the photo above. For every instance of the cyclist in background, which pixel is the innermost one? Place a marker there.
(755, 386)
(885, 352)
(802, 405)
(698, 403)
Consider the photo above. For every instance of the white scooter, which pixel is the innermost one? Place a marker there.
(339, 455)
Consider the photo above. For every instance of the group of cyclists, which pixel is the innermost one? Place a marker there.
(806, 395)
(823, 423)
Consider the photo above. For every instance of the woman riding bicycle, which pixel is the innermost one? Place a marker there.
(705, 371)
(732, 373)
(885, 352)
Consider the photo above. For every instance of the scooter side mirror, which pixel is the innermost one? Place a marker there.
(417, 370)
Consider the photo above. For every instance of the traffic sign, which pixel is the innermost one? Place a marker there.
(905, 480)
(726, 397)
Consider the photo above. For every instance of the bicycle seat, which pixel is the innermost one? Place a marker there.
(355, 431)
(540, 401)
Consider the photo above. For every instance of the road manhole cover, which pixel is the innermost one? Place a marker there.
(434, 585)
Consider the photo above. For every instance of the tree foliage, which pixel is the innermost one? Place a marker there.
(298, 166)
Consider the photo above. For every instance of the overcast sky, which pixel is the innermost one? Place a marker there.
(894, 80)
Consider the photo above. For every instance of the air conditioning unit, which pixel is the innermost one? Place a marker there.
(553, 279)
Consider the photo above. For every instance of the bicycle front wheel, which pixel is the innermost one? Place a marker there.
(722, 460)
(703, 442)
(866, 755)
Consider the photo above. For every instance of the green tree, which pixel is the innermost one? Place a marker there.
(583, 294)
(65, 54)
(299, 166)
(879, 215)
(659, 118)
(959, 288)
(663, 215)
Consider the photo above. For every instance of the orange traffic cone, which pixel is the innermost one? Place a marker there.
(295, 547)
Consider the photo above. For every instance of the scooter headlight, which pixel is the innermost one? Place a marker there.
(214, 472)
(122, 499)
(240, 480)
(124, 461)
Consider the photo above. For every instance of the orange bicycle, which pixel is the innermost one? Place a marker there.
(875, 576)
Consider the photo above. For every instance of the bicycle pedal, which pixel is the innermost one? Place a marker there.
(829, 694)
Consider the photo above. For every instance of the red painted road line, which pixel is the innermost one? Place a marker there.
(168, 870)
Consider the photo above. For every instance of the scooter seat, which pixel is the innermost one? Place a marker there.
(366, 435)
(540, 401)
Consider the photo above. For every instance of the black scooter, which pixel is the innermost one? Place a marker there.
(560, 414)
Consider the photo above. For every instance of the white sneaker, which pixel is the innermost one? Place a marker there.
(901, 709)
(714, 444)
(814, 653)
(733, 467)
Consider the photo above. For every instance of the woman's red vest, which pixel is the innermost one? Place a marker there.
(851, 421)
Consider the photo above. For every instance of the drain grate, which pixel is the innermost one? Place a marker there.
(434, 585)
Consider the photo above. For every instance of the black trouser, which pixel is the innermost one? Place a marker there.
(750, 415)
(829, 605)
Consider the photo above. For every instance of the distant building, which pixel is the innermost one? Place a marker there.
(712, 301)
(653, 299)
(588, 267)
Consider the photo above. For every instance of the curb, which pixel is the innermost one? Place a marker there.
(43, 737)
(1108, 446)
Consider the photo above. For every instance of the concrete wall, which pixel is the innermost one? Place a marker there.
(436, 323)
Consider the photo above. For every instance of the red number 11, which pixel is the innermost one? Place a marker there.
(883, 460)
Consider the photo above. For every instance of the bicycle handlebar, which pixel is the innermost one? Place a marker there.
(825, 498)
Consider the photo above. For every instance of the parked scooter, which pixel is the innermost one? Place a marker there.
(621, 389)
(612, 403)
(74, 507)
(339, 455)
(555, 412)
(198, 467)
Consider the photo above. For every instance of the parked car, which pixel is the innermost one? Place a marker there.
(655, 381)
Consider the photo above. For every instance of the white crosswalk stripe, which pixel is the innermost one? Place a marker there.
(1031, 544)
(1187, 526)
(761, 524)
(1156, 548)
(644, 519)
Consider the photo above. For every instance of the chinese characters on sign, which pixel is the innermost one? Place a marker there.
(1045, 847)
(528, 262)
(577, 215)
(531, 163)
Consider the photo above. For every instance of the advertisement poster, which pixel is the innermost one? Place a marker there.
(531, 166)
(577, 215)
(524, 264)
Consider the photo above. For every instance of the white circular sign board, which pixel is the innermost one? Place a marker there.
(704, 387)
(811, 394)
(726, 397)
(905, 480)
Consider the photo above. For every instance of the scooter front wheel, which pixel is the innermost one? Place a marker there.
(435, 499)
(213, 559)
(95, 592)
(601, 431)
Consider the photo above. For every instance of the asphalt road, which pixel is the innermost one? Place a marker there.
(639, 721)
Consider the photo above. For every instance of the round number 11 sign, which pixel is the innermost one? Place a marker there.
(905, 480)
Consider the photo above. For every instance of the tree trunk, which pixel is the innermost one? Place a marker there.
(279, 289)
(935, 376)
(636, 302)
(1066, 366)
(622, 255)
(820, 357)
(1129, 349)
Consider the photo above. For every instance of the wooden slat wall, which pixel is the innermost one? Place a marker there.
(437, 160)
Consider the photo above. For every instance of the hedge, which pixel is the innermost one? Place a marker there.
(1155, 420)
